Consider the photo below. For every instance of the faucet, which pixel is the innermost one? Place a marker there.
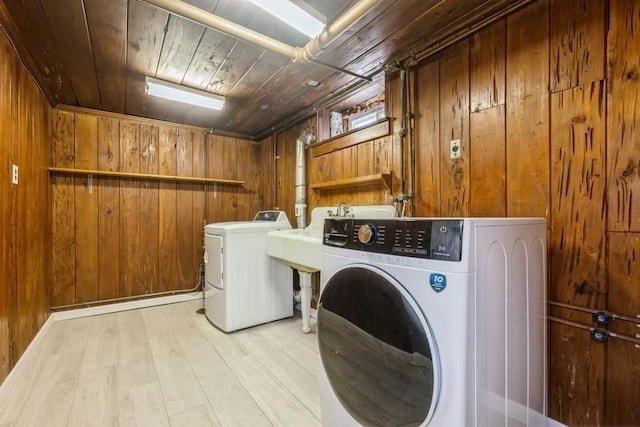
(343, 210)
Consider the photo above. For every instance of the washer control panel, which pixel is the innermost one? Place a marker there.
(432, 238)
(271, 216)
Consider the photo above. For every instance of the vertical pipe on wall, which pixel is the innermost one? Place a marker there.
(412, 148)
(403, 128)
(302, 143)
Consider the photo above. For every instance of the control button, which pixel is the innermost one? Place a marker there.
(367, 234)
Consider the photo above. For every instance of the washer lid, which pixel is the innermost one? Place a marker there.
(377, 349)
(246, 226)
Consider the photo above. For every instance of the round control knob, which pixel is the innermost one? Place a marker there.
(367, 234)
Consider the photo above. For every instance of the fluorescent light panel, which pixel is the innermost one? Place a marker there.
(292, 15)
(183, 94)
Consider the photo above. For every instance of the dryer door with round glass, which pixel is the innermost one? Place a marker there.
(377, 348)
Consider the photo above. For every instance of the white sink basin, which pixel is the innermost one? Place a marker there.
(300, 247)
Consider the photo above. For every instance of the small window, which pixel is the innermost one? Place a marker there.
(337, 119)
(366, 118)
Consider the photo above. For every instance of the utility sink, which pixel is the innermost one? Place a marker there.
(301, 248)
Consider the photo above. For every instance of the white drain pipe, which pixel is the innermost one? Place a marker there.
(302, 143)
(307, 53)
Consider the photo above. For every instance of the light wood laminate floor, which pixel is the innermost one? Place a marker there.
(166, 366)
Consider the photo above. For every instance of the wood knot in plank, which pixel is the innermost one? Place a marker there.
(629, 170)
(631, 75)
(579, 119)
(586, 288)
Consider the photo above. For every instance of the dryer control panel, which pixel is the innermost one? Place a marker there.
(432, 238)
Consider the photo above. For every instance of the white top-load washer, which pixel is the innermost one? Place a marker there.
(433, 322)
(243, 285)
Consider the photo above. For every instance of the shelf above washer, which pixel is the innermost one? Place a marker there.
(381, 178)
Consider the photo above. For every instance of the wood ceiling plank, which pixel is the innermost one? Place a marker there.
(29, 31)
(262, 71)
(213, 49)
(285, 95)
(241, 58)
(146, 26)
(180, 44)
(179, 50)
(69, 26)
(108, 32)
(181, 41)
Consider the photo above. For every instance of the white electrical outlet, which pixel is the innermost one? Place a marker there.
(14, 175)
(455, 149)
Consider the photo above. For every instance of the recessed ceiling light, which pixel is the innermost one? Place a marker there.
(312, 83)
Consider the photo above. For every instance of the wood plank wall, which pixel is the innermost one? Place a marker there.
(123, 237)
(545, 103)
(543, 132)
(24, 208)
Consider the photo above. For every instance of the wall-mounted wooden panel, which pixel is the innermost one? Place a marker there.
(623, 115)
(109, 209)
(487, 64)
(24, 208)
(577, 42)
(86, 208)
(578, 245)
(427, 125)
(167, 209)
(8, 61)
(527, 119)
(149, 215)
(535, 149)
(454, 125)
(128, 237)
(576, 384)
(623, 357)
(623, 383)
(222, 161)
(488, 172)
(63, 257)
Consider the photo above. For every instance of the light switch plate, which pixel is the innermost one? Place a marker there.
(14, 174)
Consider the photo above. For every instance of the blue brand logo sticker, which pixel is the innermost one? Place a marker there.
(438, 281)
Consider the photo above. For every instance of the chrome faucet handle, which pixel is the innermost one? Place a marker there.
(343, 210)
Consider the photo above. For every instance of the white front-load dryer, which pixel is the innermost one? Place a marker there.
(432, 322)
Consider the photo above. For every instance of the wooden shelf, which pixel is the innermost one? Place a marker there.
(381, 178)
(145, 176)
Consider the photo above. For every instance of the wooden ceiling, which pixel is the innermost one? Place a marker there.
(96, 54)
